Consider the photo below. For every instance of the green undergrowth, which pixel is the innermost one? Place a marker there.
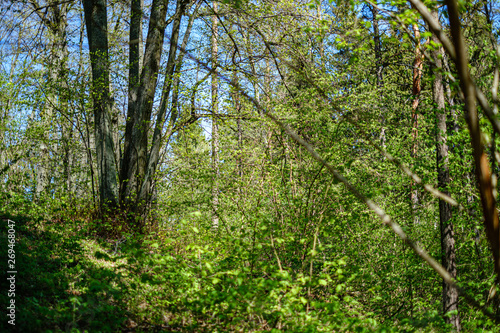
(187, 280)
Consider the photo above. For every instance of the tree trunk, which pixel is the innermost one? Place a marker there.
(239, 130)
(139, 164)
(43, 168)
(417, 72)
(482, 167)
(215, 126)
(378, 47)
(55, 20)
(97, 28)
(134, 75)
(159, 139)
(448, 256)
(140, 105)
(378, 68)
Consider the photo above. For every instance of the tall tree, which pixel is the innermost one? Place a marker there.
(448, 255)
(416, 88)
(482, 168)
(139, 161)
(379, 66)
(97, 33)
(54, 19)
(377, 42)
(215, 125)
(140, 107)
(159, 139)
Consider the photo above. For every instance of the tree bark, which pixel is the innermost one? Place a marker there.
(97, 28)
(141, 103)
(134, 75)
(482, 168)
(378, 68)
(215, 126)
(378, 47)
(139, 163)
(448, 256)
(417, 72)
(239, 130)
(159, 139)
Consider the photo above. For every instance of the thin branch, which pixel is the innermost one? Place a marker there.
(383, 216)
(458, 52)
(436, 28)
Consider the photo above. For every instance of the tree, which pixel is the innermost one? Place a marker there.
(448, 255)
(416, 89)
(138, 164)
(253, 165)
(215, 126)
(96, 20)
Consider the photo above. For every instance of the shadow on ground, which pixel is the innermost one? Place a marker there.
(57, 288)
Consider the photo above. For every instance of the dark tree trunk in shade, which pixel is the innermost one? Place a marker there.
(378, 47)
(379, 67)
(448, 255)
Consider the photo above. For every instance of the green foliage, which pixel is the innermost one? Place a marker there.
(294, 250)
(182, 283)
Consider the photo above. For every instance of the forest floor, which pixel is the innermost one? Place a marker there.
(69, 279)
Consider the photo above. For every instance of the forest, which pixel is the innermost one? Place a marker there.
(249, 165)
